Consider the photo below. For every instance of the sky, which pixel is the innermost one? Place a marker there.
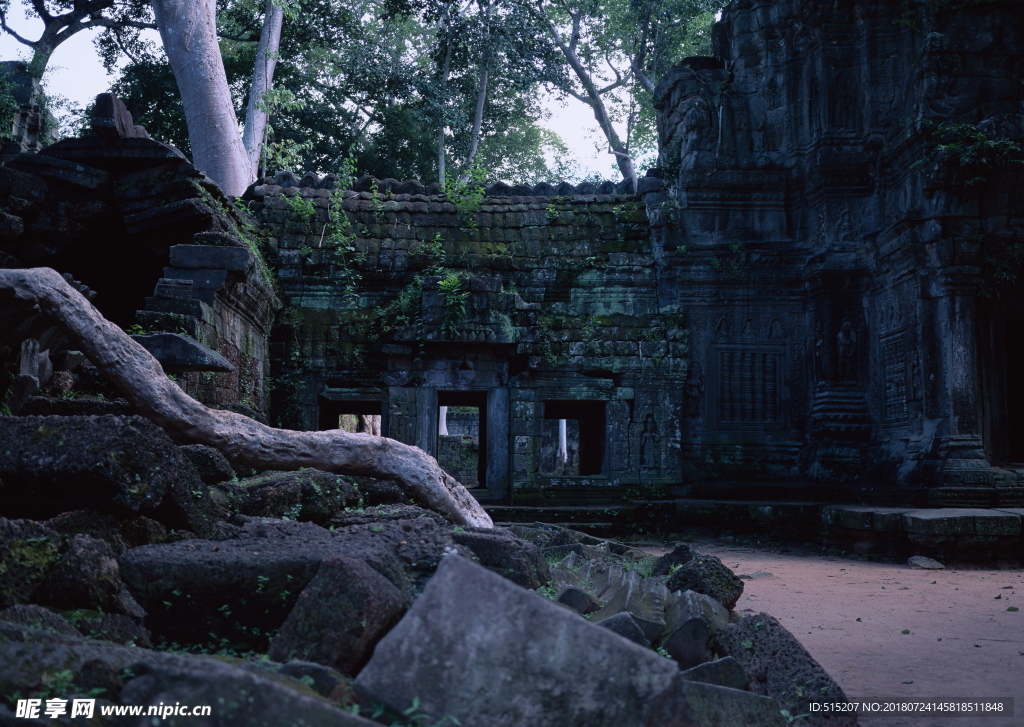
(76, 73)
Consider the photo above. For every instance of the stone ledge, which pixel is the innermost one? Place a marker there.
(932, 522)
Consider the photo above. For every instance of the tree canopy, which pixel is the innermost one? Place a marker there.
(415, 88)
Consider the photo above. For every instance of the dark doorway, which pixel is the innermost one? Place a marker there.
(462, 449)
(352, 416)
(583, 434)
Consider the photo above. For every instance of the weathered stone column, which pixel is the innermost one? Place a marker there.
(960, 446)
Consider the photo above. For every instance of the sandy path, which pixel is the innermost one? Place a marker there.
(963, 643)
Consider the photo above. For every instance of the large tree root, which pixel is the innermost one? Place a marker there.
(141, 379)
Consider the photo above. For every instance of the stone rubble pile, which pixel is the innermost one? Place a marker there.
(354, 597)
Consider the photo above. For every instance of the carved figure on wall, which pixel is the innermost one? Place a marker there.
(846, 350)
(773, 93)
(693, 389)
(696, 121)
(846, 231)
(649, 444)
(819, 356)
(915, 376)
(814, 106)
(842, 103)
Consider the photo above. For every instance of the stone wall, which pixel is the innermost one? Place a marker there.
(157, 241)
(836, 268)
(530, 307)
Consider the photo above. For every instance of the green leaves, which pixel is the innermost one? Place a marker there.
(455, 300)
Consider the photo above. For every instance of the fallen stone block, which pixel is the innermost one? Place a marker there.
(535, 664)
(708, 575)
(501, 551)
(244, 586)
(645, 602)
(725, 672)
(50, 465)
(920, 562)
(780, 667)
(690, 604)
(38, 617)
(28, 552)
(339, 617)
(87, 577)
(709, 705)
(580, 601)
(679, 555)
(176, 353)
(625, 626)
(237, 696)
(309, 494)
(211, 466)
(687, 644)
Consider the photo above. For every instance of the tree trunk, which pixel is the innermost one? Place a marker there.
(445, 71)
(593, 99)
(478, 118)
(189, 33)
(481, 99)
(256, 115)
(140, 378)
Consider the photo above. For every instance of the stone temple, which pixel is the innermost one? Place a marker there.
(811, 300)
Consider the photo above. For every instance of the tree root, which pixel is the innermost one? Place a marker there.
(141, 380)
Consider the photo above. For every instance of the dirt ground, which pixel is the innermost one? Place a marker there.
(851, 614)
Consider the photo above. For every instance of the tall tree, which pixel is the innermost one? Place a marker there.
(64, 18)
(258, 110)
(617, 51)
(188, 30)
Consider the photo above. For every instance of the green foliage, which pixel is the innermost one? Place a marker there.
(549, 592)
(1001, 261)
(376, 202)
(620, 45)
(303, 209)
(970, 155)
(967, 159)
(466, 192)
(644, 566)
(9, 106)
(455, 300)
(551, 349)
(413, 716)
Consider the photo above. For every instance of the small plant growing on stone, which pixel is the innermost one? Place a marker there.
(466, 192)
(303, 209)
(455, 301)
(376, 201)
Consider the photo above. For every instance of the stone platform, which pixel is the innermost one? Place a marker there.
(953, 534)
(959, 534)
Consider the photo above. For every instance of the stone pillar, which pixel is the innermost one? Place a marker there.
(961, 449)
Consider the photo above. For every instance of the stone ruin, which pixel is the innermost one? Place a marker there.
(801, 303)
(804, 302)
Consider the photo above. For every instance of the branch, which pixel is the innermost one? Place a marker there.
(575, 38)
(237, 38)
(642, 77)
(10, 31)
(116, 25)
(613, 86)
(40, 7)
(140, 378)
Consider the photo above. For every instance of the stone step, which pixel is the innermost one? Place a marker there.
(929, 521)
